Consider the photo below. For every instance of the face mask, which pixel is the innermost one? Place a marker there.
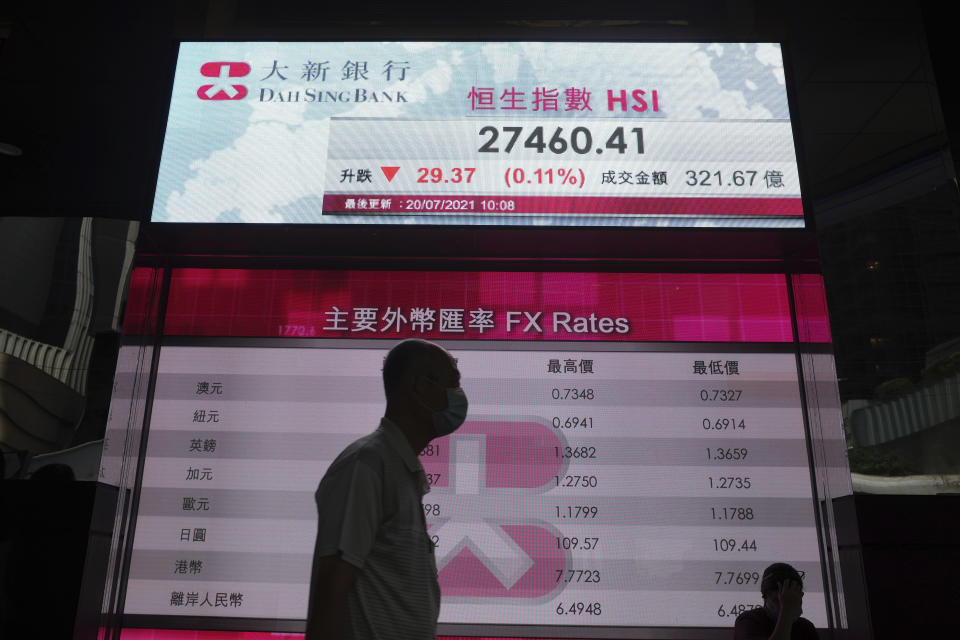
(449, 420)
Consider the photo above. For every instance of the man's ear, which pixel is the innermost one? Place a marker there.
(420, 383)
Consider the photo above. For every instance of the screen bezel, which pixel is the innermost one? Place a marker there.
(484, 34)
(158, 340)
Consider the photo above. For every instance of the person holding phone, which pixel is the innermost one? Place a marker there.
(779, 618)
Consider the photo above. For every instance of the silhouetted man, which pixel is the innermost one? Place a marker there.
(779, 617)
(374, 573)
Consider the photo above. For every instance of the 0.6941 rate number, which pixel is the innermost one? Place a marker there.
(573, 422)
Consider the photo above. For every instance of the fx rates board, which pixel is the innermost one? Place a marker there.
(599, 486)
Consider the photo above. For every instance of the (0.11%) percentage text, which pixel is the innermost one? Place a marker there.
(516, 176)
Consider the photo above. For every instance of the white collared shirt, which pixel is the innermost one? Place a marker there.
(370, 511)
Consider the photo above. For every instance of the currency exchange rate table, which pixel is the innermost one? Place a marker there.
(601, 485)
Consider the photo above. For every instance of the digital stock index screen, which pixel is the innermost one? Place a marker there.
(490, 133)
(634, 455)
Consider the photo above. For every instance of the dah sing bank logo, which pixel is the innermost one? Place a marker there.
(223, 89)
(482, 549)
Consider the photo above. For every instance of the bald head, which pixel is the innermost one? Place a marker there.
(408, 359)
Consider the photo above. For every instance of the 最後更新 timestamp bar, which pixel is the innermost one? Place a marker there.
(387, 204)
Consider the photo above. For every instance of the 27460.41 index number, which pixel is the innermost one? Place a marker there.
(579, 140)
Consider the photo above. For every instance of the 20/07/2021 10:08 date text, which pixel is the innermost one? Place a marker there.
(458, 205)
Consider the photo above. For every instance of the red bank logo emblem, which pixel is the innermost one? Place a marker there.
(491, 555)
(223, 89)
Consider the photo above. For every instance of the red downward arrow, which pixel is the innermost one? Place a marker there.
(389, 172)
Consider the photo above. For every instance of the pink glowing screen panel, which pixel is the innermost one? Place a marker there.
(452, 305)
(813, 321)
(634, 453)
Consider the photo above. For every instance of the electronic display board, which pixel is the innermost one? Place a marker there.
(634, 455)
(480, 133)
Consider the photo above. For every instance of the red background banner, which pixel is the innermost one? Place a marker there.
(654, 307)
